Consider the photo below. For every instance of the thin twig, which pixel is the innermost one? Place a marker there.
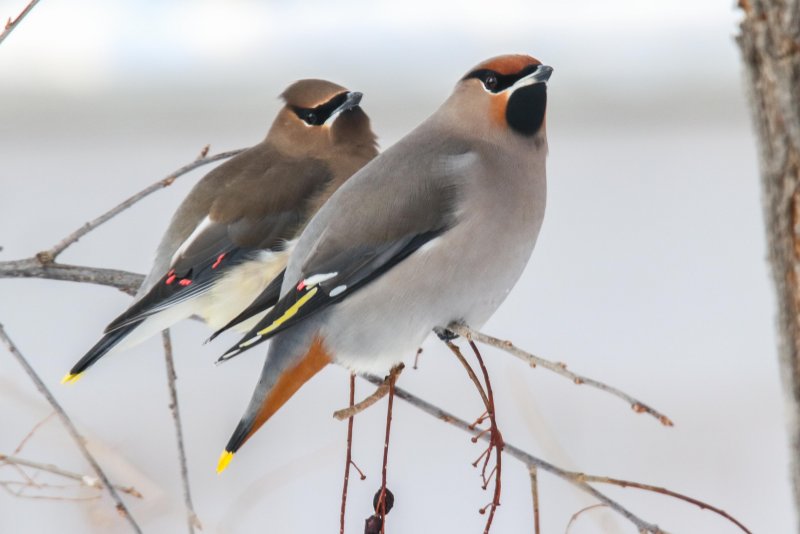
(349, 454)
(193, 521)
(67, 422)
(558, 368)
(11, 24)
(580, 512)
(460, 356)
(85, 480)
(416, 358)
(519, 454)
(663, 491)
(7, 486)
(48, 256)
(380, 510)
(33, 431)
(535, 496)
(378, 394)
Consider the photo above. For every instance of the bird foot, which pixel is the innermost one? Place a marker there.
(445, 334)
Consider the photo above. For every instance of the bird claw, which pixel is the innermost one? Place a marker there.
(445, 334)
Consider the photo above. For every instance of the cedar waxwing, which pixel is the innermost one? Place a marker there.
(435, 230)
(232, 234)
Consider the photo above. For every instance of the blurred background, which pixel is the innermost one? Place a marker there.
(649, 274)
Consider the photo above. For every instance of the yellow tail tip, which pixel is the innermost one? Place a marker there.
(69, 378)
(224, 459)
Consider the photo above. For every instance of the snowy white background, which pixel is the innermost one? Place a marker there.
(649, 272)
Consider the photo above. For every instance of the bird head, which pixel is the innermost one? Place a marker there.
(318, 114)
(501, 94)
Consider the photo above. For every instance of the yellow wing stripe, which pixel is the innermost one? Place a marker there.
(288, 314)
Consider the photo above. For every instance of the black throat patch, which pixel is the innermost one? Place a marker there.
(526, 108)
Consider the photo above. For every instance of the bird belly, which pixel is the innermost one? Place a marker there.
(238, 288)
(455, 279)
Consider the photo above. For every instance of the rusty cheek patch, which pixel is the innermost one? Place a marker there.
(498, 109)
(290, 381)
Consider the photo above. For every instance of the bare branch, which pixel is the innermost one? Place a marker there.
(11, 24)
(49, 256)
(125, 281)
(85, 480)
(522, 456)
(378, 394)
(67, 422)
(558, 368)
(193, 520)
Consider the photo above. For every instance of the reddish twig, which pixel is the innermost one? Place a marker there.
(380, 510)
(11, 24)
(67, 422)
(457, 352)
(495, 440)
(192, 519)
(349, 454)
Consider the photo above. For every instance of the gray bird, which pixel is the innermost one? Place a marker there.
(230, 238)
(435, 230)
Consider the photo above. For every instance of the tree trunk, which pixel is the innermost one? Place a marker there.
(770, 45)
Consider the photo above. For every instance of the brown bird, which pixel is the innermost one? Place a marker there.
(435, 230)
(230, 238)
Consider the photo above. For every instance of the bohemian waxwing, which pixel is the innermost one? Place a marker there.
(435, 230)
(232, 234)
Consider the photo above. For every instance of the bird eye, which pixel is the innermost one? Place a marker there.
(490, 82)
(310, 118)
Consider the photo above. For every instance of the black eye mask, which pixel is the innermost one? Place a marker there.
(318, 115)
(501, 81)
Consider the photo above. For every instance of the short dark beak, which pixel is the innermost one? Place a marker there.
(353, 100)
(542, 74)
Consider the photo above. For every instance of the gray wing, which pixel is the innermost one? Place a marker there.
(378, 218)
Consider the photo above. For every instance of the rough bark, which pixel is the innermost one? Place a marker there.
(770, 46)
